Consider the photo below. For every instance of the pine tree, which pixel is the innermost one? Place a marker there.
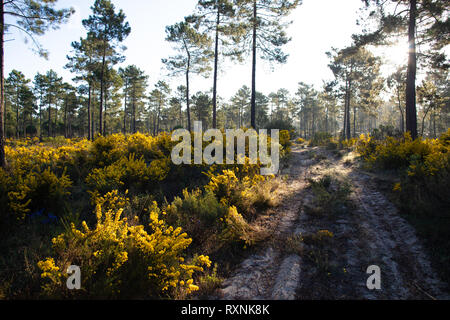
(217, 17)
(352, 66)
(193, 55)
(135, 85)
(239, 103)
(262, 31)
(424, 22)
(158, 98)
(109, 29)
(32, 18)
(17, 84)
(53, 85)
(85, 63)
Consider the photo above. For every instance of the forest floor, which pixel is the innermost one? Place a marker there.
(301, 262)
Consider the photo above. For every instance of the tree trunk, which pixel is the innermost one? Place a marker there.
(93, 117)
(349, 99)
(434, 125)
(17, 114)
(313, 120)
(253, 99)
(125, 109)
(49, 129)
(188, 110)
(90, 134)
(180, 121)
(104, 118)
(216, 58)
(55, 127)
(159, 114)
(344, 127)
(102, 84)
(134, 115)
(2, 87)
(402, 124)
(65, 120)
(423, 120)
(411, 114)
(40, 118)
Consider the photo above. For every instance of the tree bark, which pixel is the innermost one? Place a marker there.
(49, 129)
(125, 108)
(65, 120)
(349, 99)
(17, 114)
(411, 114)
(253, 99)
(402, 117)
(133, 106)
(216, 58)
(93, 117)
(40, 118)
(188, 110)
(2, 87)
(344, 127)
(102, 84)
(90, 134)
(104, 117)
(55, 127)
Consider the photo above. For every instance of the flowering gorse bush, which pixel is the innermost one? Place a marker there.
(247, 194)
(131, 247)
(120, 258)
(424, 167)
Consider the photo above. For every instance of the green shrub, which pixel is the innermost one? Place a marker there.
(198, 212)
(331, 196)
(320, 139)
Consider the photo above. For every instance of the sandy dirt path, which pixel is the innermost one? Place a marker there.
(369, 233)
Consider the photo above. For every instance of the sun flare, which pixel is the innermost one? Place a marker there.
(397, 54)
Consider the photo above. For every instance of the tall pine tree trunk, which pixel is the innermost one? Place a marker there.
(102, 84)
(216, 58)
(134, 115)
(93, 117)
(90, 134)
(2, 87)
(65, 120)
(188, 110)
(55, 127)
(125, 108)
(17, 114)
(104, 117)
(349, 99)
(402, 116)
(411, 114)
(49, 129)
(253, 99)
(344, 127)
(40, 118)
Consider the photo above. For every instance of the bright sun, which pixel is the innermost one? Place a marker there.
(397, 54)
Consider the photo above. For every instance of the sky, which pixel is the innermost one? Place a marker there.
(317, 26)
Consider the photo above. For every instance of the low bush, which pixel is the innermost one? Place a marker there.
(198, 212)
(249, 195)
(120, 259)
(331, 196)
(320, 139)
